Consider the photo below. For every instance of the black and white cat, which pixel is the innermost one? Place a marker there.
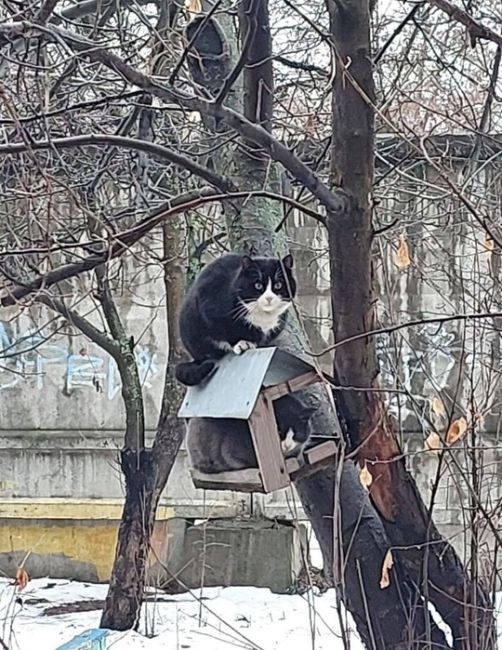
(236, 303)
(224, 444)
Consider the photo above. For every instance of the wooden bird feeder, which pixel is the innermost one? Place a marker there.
(244, 388)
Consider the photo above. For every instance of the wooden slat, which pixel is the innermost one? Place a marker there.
(292, 465)
(320, 452)
(313, 460)
(244, 480)
(267, 445)
(297, 383)
(274, 392)
(309, 470)
(307, 379)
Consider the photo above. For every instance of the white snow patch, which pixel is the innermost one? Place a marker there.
(244, 618)
(225, 618)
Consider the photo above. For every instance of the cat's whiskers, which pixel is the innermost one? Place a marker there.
(241, 310)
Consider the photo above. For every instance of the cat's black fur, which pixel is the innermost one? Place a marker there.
(213, 318)
(220, 445)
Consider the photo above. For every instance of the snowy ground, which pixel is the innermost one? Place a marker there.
(212, 619)
(232, 617)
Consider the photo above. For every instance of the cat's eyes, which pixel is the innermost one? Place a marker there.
(258, 286)
(277, 285)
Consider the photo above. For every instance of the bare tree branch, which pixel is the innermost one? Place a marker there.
(157, 150)
(299, 65)
(124, 240)
(439, 320)
(476, 29)
(81, 323)
(45, 11)
(88, 7)
(257, 134)
(409, 16)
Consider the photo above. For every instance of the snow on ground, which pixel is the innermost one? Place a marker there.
(245, 618)
(225, 618)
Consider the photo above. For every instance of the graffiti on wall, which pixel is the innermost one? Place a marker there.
(424, 368)
(32, 356)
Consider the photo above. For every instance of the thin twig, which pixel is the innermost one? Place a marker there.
(439, 320)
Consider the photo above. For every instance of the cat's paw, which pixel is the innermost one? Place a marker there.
(242, 346)
(291, 448)
(288, 444)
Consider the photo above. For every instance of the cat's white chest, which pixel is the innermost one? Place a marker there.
(263, 320)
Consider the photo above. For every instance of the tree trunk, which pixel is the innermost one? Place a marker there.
(125, 595)
(146, 472)
(427, 560)
(362, 544)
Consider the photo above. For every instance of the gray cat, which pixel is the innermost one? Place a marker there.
(224, 444)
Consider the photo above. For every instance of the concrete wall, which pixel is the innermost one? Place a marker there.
(61, 414)
(50, 497)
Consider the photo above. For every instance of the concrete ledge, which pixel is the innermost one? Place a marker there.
(60, 508)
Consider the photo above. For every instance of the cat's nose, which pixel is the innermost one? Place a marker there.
(268, 300)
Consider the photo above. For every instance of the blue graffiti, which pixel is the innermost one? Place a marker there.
(30, 356)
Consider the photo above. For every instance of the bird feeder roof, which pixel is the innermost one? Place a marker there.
(232, 391)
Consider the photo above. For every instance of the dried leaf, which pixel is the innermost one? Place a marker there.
(432, 442)
(456, 431)
(402, 257)
(193, 6)
(365, 476)
(311, 124)
(438, 406)
(388, 561)
(22, 578)
(489, 246)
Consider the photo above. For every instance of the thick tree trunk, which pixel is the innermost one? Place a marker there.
(425, 558)
(145, 477)
(394, 617)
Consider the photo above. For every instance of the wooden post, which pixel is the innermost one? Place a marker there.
(267, 445)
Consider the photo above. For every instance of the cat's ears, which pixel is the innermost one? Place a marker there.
(246, 262)
(287, 262)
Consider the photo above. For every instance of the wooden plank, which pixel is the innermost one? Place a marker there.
(320, 452)
(307, 379)
(297, 383)
(313, 460)
(243, 480)
(306, 470)
(293, 465)
(267, 445)
(274, 392)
